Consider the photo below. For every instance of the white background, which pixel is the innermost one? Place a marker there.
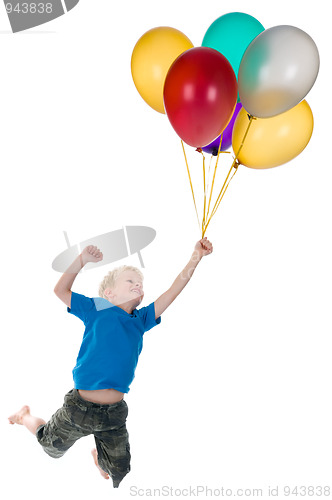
(233, 389)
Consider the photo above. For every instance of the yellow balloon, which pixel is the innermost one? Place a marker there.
(273, 141)
(152, 57)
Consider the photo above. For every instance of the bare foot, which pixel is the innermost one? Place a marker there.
(95, 458)
(18, 417)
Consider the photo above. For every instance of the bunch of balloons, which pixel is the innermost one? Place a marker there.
(243, 88)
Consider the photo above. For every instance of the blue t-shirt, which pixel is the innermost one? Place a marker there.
(112, 342)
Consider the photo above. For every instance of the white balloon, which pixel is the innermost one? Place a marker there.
(277, 71)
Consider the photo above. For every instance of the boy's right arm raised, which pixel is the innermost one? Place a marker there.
(63, 287)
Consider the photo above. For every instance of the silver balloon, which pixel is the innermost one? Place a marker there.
(277, 71)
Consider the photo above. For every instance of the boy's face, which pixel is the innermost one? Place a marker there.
(128, 289)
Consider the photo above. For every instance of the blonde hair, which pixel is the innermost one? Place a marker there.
(110, 278)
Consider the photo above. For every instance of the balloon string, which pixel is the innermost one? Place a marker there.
(236, 168)
(192, 190)
(208, 175)
(251, 118)
(235, 165)
(203, 219)
(223, 193)
(214, 175)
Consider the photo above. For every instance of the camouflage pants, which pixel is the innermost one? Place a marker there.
(78, 418)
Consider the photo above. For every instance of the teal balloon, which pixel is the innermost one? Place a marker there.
(231, 34)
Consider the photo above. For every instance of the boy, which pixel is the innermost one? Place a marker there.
(106, 362)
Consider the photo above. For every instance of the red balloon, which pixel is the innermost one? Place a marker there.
(200, 94)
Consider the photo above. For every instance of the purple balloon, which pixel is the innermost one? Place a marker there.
(226, 142)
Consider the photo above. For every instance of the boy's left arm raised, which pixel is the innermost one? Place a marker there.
(203, 247)
(63, 287)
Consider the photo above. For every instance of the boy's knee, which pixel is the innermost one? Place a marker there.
(53, 448)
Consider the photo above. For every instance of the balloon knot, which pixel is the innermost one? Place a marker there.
(199, 150)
